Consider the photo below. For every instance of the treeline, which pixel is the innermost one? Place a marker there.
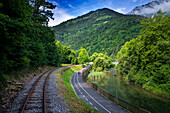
(26, 40)
(146, 60)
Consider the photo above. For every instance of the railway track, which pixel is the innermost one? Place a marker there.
(39, 97)
(34, 99)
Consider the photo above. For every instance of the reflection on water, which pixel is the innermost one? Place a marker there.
(132, 93)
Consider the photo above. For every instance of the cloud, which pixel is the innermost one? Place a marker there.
(60, 15)
(71, 6)
(53, 2)
(121, 10)
(165, 7)
(134, 0)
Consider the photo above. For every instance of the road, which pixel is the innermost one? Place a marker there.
(86, 93)
(115, 63)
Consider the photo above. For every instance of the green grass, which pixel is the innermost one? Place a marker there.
(65, 64)
(66, 79)
(74, 103)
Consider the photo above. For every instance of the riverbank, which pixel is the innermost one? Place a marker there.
(132, 93)
(151, 89)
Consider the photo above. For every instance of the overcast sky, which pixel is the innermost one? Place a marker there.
(68, 9)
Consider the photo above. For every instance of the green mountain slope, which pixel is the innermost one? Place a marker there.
(103, 30)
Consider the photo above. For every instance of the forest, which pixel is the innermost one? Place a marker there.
(146, 59)
(101, 31)
(26, 40)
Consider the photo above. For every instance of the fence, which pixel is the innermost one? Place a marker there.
(124, 104)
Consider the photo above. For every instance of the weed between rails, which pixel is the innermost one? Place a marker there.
(65, 90)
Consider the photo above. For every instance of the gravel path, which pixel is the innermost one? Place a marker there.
(54, 103)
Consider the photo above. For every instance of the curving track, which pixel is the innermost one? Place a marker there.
(39, 97)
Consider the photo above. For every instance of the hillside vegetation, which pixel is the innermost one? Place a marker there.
(101, 31)
(145, 60)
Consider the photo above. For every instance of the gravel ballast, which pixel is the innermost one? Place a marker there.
(55, 104)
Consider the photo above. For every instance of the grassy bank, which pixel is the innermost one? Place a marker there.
(95, 75)
(65, 90)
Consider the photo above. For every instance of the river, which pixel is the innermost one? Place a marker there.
(132, 93)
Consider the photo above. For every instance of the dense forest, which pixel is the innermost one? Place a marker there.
(99, 31)
(146, 59)
(26, 40)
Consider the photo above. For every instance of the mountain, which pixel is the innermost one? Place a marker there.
(103, 30)
(151, 8)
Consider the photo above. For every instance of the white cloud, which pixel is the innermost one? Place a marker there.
(60, 15)
(71, 6)
(134, 0)
(165, 7)
(55, 3)
(121, 10)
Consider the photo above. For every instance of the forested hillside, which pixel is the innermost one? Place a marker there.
(99, 31)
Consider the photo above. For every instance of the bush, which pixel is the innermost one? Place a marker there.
(74, 61)
(100, 63)
(83, 66)
(95, 75)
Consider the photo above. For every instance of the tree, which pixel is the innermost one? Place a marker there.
(66, 52)
(16, 8)
(100, 63)
(107, 58)
(83, 56)
(26, 40)
(42, 11)
(94, 56)
(146, 60)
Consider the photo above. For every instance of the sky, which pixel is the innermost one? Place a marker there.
(68, 9)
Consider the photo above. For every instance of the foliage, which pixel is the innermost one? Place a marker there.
(146, 60)
(95, 75)
(95, 55)
(101, 61)
(102, 31)
(101, 64)
(83, 56)
(26, 40)
(66, 55)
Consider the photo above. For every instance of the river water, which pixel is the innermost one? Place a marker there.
(132, 94)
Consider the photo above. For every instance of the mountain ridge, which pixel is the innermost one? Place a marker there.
(103, 30)
(104, 10)
(140, 10)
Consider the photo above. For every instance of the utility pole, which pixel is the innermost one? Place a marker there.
(116, 88)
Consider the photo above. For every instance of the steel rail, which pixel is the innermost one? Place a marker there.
(32, 89)
(44, 93)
